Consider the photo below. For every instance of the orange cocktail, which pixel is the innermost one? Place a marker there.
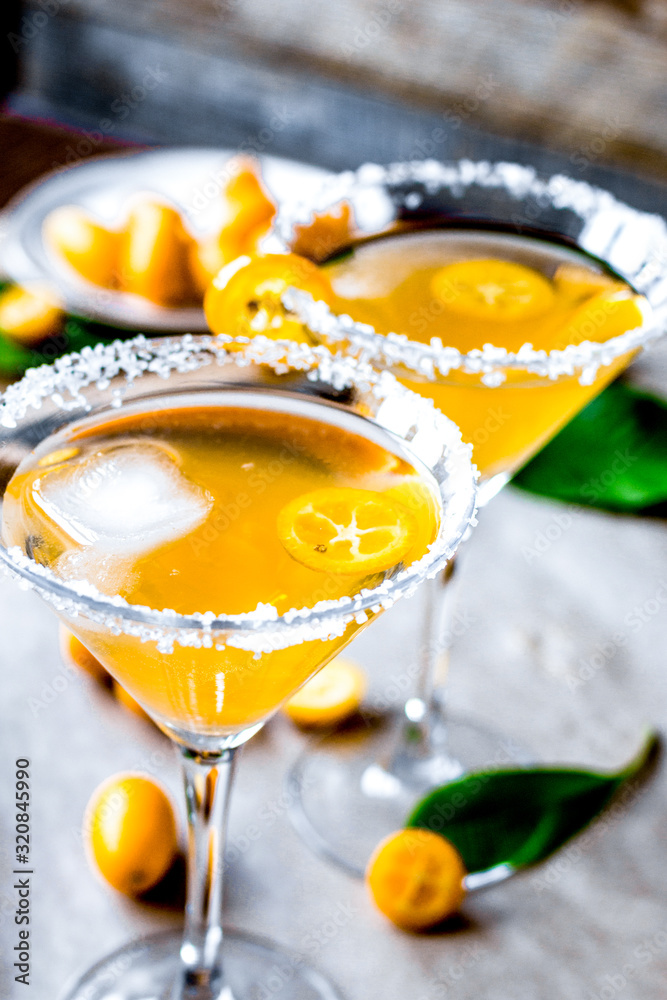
(239, 508)
(470, 289)
(509, 300)
(215, 521)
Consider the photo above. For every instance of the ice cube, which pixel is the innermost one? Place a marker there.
(126, 499)
(108, 572)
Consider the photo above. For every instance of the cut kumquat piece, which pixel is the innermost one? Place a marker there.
(249, 211)
(91, 249)
(250, 242)
(130, 830)
(579, 282)
(416, 496)
(495, 290)
(344, 530)
(326, 233)
(416, 878)
(154, 261)
(249, 201)
(207, 258)
(245, 298)
(607, 314)
(30, 315)
(332, 695)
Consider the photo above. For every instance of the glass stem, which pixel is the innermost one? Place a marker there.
(208, 782)
(424, 730)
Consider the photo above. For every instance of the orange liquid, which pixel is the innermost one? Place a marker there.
(238, 466)
(388, 282)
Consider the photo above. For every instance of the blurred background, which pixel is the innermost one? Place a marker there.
(573, 85)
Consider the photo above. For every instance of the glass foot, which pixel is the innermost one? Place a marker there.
(351, 790)
(149, 969)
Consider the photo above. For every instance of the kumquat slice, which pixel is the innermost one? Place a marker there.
(344, 530)
(330, 697)
(495, 290)
(245, 299)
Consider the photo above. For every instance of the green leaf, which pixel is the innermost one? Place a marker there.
(519, 817)
(13, 357)
(612, 456)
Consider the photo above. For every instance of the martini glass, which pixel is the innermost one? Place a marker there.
(168, 659)
(508, 397)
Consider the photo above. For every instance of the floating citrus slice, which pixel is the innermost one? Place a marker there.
(331, 696)
(343, 530)
(497, 290)
(130, 830)
(245, 298)
(416, 878)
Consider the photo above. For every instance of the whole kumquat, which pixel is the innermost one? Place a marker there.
(130, 831)
(416, 878)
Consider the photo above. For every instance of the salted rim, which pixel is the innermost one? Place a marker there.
(435, 360)
(263, 629)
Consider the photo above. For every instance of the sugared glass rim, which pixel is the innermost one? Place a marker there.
(262, 630)
(605, 223)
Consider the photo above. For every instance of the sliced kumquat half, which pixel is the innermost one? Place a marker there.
(345, 530)
(416, 878)
(331, 696)
(245, 298)
(500, 291)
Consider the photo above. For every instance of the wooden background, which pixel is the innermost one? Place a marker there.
(361, 79)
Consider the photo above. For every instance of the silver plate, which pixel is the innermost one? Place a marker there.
(193, 179)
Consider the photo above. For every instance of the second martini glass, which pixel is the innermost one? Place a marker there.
(120, 466)
(511, 301)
